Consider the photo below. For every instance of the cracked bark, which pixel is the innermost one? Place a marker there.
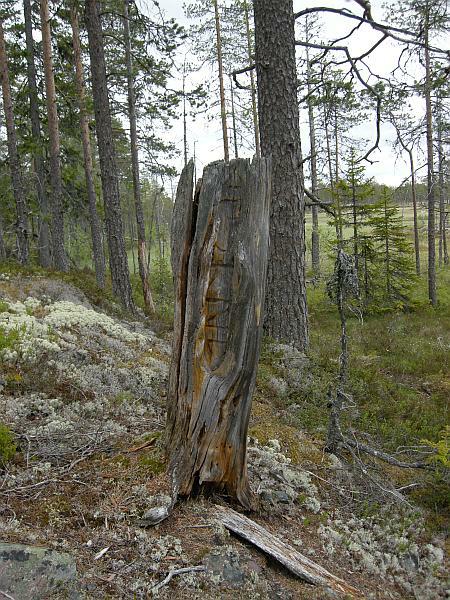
(219, 257)
(118, 260)
(13, 156)
(96, 230)
(142, 249)
(286, 317)
(59, 253)
(37, 153)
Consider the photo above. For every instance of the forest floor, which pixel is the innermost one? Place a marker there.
(83, 391)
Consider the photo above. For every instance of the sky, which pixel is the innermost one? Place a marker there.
(388, 168)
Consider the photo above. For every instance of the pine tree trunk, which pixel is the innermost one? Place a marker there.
(185, 143)
(250, 58)
(432, 295)
(59, 253)
(38, 159)
(315, 244)
(2, 241)
(13, 157)
(118, 260)
(355, 217)
(387, 253)
(96, 230)
(219, 257)
(286, 317)
(142, 247)
(414, 203)
(334, 191)
(336, 146)
(443, 254)
(223, 110)
(233, 116)
(334, 434)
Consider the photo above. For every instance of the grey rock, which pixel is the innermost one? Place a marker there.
(410, 562)
(153, 516)
(282, 497)
(227, 568)
(35, 573)
(161, 509)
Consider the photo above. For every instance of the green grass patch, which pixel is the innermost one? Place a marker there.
(7, 444)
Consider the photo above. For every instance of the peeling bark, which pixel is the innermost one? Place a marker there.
(295, 562)
(219, 257)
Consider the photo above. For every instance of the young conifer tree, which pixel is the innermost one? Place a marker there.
(392, 253)
(355, 191)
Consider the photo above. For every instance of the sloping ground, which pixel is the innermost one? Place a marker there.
(83, 393)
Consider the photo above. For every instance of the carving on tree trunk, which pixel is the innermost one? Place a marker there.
(219, 259)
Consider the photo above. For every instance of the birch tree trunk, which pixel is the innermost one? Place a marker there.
(219, 257)
(13, 156)
(286, 317)
(142, 249)
(96, 230)
(118, 260)
(38, 159)
(223, 109)
(59, 253)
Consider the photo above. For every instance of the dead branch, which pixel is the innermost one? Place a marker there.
(318, 202)
(237, 72)
(354, 68)
(171, 574)
(291, 559)
(387, 30)
(384, 456)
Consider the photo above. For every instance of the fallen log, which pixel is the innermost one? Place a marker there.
(289, 557)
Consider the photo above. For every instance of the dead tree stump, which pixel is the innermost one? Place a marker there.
(219, 259)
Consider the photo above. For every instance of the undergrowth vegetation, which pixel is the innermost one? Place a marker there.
(398, 381)
(398, 374)
(7, 445)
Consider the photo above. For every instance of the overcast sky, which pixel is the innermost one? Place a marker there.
(388, 169)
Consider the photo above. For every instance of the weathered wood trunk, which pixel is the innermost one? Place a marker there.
(219, 258)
